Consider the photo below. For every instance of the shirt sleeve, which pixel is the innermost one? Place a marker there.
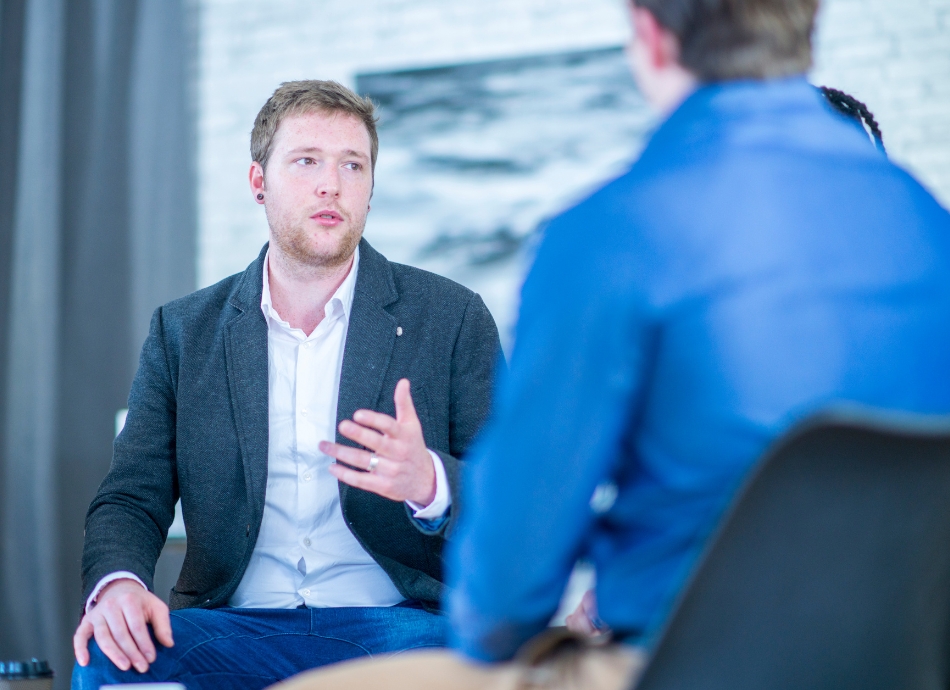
(111, 577)
(443, 497)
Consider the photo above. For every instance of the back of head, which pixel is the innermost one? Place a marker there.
(739, 39)
(308, 96)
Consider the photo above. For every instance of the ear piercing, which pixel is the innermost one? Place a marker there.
(260, 197)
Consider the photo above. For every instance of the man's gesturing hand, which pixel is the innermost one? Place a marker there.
(404, 471)
(119, 621)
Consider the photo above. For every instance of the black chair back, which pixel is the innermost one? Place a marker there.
(830, 571)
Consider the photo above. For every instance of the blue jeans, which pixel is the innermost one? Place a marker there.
(246, 649)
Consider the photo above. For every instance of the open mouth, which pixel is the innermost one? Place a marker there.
(327, 217)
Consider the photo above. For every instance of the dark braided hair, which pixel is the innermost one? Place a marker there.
(850, 106)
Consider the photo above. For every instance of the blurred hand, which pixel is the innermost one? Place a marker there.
(405, 471)
(119, 621)
(584, 620)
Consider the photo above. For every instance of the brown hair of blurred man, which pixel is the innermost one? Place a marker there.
(721, 40)
(304, 97)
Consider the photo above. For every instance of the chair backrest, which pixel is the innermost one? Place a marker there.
(831, 569)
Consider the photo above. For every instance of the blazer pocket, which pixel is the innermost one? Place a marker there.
(179, 600)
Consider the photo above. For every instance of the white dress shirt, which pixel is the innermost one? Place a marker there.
(305, 553)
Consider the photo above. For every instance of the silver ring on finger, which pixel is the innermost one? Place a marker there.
(373, 462)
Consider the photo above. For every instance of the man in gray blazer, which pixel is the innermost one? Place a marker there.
(317, 489)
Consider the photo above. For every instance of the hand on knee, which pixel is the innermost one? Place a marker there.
(120, 623)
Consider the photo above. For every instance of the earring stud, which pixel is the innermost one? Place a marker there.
(260, 197)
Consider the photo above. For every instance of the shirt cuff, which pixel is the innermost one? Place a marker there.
(443, 497)
(111, 577)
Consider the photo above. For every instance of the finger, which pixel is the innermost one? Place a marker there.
(578, 622)
(81, 641)
(405, 410)
(589, 605)
(118, 626)
(367, 481)
(351, 456)
(138, 628)
(360, 434)
(108, 645)
(377, 420)
(161, 622)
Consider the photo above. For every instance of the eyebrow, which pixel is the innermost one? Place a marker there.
(315, 149)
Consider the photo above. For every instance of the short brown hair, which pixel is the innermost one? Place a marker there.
(308, 96)
(739, 39)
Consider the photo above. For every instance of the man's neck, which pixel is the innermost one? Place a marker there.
(299, 293)
(678, 85)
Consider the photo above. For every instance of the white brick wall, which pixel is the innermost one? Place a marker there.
(893, 54)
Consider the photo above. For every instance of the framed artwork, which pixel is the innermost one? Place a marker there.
(474, 158)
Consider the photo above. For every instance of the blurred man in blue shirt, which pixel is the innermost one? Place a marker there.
(760, 261)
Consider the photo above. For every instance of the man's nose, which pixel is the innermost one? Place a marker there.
(329, 184)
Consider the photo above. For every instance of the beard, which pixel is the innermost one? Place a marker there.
(299, 246)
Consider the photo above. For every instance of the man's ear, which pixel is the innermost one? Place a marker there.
(659, 45)
(255, 176)
(654, 55)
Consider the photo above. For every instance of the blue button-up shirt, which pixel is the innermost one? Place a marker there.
(760, 261)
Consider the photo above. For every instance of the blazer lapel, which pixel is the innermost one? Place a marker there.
(245, 351)
(370, 337)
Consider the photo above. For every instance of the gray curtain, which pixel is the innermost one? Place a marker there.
(97, 228)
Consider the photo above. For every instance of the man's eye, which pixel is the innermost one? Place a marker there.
(304, 161)
(353, 166)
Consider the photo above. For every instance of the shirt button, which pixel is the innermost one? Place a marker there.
(303, 411)
(306, 542)
(308, 344)
(306, 592)
(307, 477)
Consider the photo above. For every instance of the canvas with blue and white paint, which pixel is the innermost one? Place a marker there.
(475, 158)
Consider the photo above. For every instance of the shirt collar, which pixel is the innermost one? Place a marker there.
(341, 300)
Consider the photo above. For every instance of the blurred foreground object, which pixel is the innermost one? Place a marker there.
(146, 686)
(832, 570)
(25, 675)
(758, 263)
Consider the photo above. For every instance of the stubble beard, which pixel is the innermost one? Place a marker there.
(295, 243)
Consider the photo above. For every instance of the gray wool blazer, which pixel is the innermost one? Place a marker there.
(197, 427)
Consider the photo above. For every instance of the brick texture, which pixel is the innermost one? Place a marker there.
(895, 56)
